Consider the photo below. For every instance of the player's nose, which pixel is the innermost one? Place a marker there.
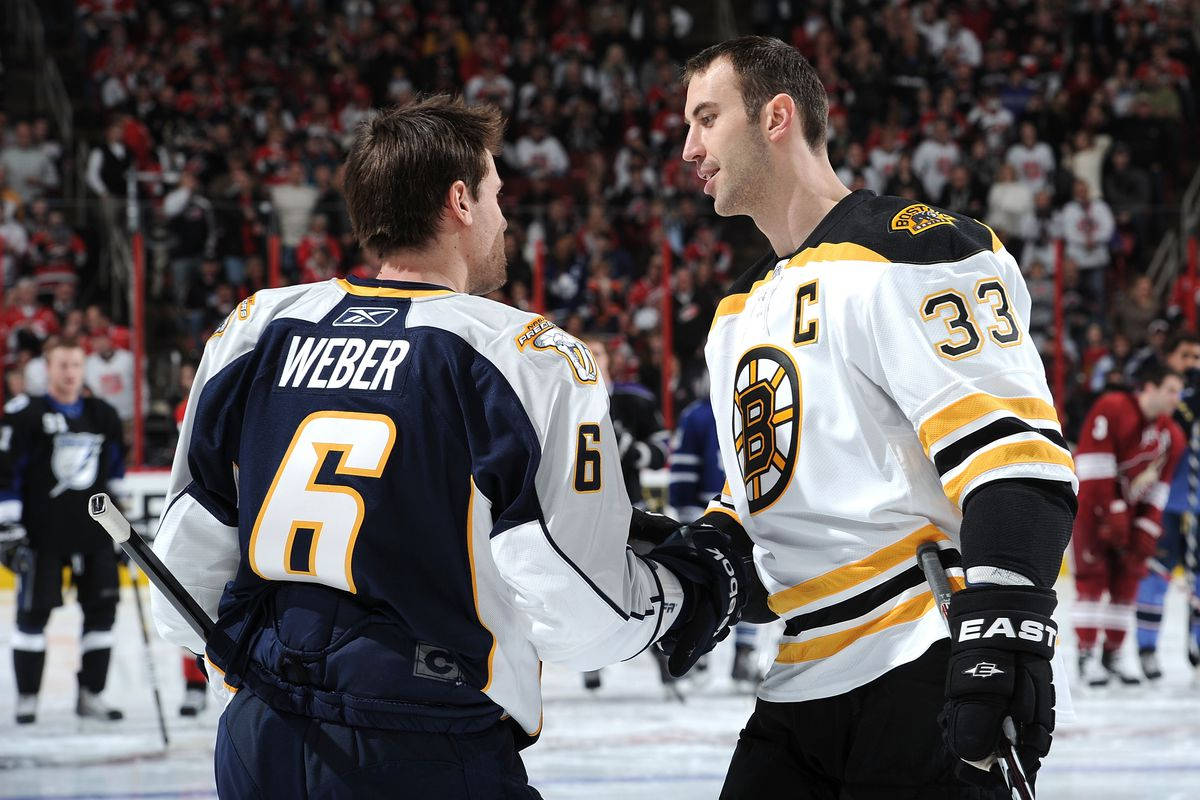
(693, 150)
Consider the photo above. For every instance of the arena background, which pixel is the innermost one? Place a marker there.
(161, 161)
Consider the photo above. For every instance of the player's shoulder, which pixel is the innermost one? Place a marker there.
(1115, 402)
(513, 340)
(24, 407)
(898, 231)
(99, 408)
(696, 412)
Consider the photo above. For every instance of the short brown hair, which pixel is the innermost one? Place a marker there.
(766, 66)
(61, 342)
(403, 161)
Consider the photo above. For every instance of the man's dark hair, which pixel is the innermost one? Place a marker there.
(765, 67)
(1180, 338)
(404, 160)
(1154, 373)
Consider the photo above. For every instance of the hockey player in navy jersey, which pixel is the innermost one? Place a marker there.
(397, 499)
(56, 450)
(697, 477)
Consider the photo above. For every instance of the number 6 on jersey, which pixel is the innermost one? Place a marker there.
(305, 530)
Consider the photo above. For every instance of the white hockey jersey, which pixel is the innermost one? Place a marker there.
(863, 387)
(434, 470)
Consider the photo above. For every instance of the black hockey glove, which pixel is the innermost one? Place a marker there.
(647, 526)
(713, 577)
(14, 545)
(1001, 642)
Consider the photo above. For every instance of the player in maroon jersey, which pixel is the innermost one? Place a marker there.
(1128, 450)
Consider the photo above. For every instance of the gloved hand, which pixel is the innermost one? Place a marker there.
(713, 577)
(1142, 542)
(1001, 642)
(14, 545)
(1113, 524)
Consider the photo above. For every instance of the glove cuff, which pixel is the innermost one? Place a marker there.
(1010, 618)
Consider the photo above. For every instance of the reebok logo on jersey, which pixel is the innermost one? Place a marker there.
(317, 362)
(358, 317)
(919, 218)
(1002, 627)
(984, 669)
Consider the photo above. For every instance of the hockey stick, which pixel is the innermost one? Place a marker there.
(1006, 756)
(158, 707)
(105, 512)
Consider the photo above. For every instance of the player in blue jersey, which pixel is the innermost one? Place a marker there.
(1177, 545)
(398, 498)
(697, 477)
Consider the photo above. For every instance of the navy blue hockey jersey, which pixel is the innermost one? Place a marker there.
(696, 472)
(400, 499)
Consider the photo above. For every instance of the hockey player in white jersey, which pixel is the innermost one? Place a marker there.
(396, 499)
(875, 388)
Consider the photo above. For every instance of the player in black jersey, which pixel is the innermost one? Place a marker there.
(55, 452)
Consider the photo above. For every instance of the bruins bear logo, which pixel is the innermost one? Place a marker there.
(919, 218)
(766, 423)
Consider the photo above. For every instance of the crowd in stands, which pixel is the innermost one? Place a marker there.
(1045, 120)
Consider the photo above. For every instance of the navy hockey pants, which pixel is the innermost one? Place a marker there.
(267, 754)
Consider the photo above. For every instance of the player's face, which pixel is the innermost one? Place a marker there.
(1165, 397)
(490, 266)
(728, 149)
(1185, 357)
(64, 372)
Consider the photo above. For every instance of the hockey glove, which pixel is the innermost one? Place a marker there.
(1142, 543)
(13, 545)
(1001, 642)
(1113, 524)
(713, 577)
(646, 526)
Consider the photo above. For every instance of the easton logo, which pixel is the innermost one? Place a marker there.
(919, 218)
(358, 317)
(984, 669)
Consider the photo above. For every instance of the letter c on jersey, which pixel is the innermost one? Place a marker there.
(766, 423)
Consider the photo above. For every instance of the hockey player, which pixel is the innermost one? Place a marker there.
(875, 387)
(1178, 541)
(696, 477)
(55, 452)
(397, 498)
(1128, 449)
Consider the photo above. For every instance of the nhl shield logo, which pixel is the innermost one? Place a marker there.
(766, 423)
(919, 218)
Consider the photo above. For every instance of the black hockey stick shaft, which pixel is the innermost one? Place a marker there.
(1006, 756)
(105, 512)
(153, 673)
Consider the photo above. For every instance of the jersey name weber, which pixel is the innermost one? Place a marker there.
(863, 388)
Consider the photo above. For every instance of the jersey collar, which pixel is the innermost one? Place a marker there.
(373, 287)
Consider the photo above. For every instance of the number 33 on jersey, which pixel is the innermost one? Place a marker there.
(863, 387)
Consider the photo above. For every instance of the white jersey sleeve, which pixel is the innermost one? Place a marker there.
(197, 538)
(590, 600)
(949, 343)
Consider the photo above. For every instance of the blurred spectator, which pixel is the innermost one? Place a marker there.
(962, 194)
(857, 166)
(31, 171)
(11, 201)
(935, 157)
(1127, 191)
(57, 254)
(1087, 159)
(14, 247)
(1139, 307)
(294, 202)
(108, 163)
(317, 241)
(24, 323)
(108, 372)
(1033, 159)
(538, 154)
(1087, 227)
(193, 227)
(1009, 203)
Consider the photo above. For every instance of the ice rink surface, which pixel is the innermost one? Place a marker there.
(623, 741)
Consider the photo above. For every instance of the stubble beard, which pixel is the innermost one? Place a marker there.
(746, 184)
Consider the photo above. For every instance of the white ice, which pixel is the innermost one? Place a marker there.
(623, 741)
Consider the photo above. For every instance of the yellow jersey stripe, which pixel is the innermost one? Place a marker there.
(966, 410)
(996, 243)
(827, 251)
(475, 583)
(719, 509)
(849, 575)
(387, 291)
(208, 661)
(832, 643)
(1029, 452)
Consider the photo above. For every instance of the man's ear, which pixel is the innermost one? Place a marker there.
(459, 203)
(779, 117)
